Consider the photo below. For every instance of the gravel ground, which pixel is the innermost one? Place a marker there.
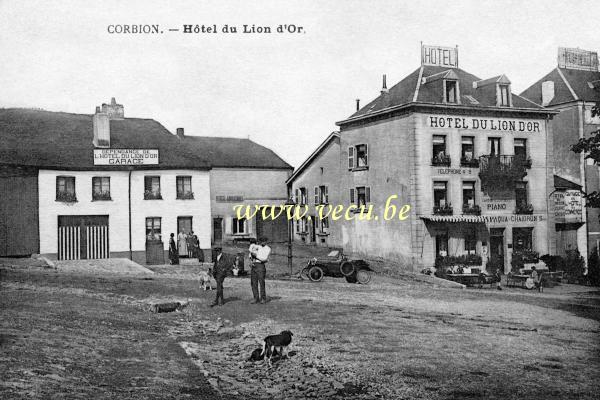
(66, 335)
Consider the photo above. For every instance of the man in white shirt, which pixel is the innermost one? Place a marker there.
(260, 256)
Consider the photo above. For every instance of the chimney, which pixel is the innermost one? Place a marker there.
(547, 92)
(101, 125)
(180, 133)
(384, 88)
(357, 104)
(114, 110)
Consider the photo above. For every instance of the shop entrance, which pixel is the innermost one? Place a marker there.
(497, 247)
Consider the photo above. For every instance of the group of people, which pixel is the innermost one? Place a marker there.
(224, 264)
(187, 245)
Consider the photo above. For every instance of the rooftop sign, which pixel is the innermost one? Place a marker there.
(125, 157)
(577, 59)
(439, 56)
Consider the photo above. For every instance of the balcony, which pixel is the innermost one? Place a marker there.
(524, 208)
(441, 160)
(469, 162)
(443, 209)
(471, 210)
(502, 171)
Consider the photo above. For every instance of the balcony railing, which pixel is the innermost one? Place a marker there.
(524, 208)
(502, 171)
(442, 160)
(469, 162)
(471, 210)
(443, 210)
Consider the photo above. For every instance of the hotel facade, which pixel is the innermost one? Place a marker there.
(472, 159)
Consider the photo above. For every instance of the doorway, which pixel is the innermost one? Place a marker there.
(217, 229)
(497, 247)
(82, 237)
(185, 224)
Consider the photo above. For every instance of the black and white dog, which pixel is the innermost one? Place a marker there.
(274, 343)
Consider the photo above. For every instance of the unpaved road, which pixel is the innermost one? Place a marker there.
(70, 336)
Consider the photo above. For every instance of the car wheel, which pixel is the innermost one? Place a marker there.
(363, 276)
(347, 268)
(304, 273)
(351, 278)
(315, 274)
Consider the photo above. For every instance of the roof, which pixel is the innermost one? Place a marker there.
(569, 85)
(562, 183)
(416, 88)
(225, 152)
(311, 158)
(58, 140)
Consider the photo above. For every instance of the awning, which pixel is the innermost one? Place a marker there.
(474, 219)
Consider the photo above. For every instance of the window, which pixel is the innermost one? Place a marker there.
(302, 225)
(358, 156)
(450, 91)
(152, 188)
(504, 95)
(153, 228)
(521, 148)
(468, 194)
(325, 225)
(239, 226)
(440, 191)
(521, 194)
(467, 152)
(494, 146)
(301, 196)
(321, 195)
(184, 187)
(470, 241)
(441, 245)
(439, 151)
(360, 196)
(522, 239)
(65, 189)
(101, 188)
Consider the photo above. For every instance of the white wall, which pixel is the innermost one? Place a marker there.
(169, 208)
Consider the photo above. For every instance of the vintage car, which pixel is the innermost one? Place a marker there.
(337, 265)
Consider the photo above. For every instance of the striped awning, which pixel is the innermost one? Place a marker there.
(474, 219)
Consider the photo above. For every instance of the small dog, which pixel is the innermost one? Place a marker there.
(207, 281)
(274, 342)
(257, 354)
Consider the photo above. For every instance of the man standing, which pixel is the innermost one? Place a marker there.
(223, 267)
(260, 255)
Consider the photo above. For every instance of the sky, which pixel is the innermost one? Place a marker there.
(284, 91)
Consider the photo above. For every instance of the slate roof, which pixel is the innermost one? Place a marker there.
(403, 93)
(569, 85)
(58, 140)
(226, 152)
(313, 156)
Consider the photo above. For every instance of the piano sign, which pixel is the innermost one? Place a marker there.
(439, 56)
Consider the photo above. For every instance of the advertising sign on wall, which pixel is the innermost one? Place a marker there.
(125, 156)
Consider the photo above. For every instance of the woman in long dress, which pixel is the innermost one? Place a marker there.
(173, 257)
(182, 244)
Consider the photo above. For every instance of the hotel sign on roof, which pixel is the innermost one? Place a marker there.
(577, 59)
(439, 56)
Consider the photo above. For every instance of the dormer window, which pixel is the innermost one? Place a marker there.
(450, 91)
(504, 95)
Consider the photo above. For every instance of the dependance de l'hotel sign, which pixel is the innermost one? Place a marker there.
(125, 156)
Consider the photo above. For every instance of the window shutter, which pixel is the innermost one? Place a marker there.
(296, 198)
(326, 195)
(228, 225)
(297, 225)
(350, 157)
(351, 196)
(367, 194)
(248, 226)
(366, 154)
(316, 195)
